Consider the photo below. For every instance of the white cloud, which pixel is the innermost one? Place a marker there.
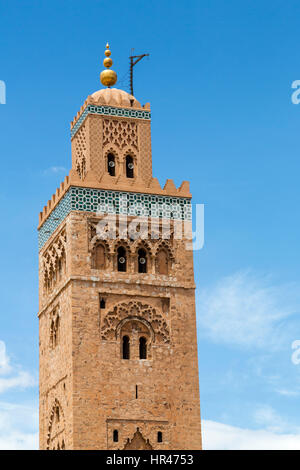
(22, 379)
(18, 427)
(219, 436)
(246, 309)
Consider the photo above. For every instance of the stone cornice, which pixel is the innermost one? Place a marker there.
(129, 277)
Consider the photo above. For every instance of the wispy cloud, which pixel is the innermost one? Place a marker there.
(21, 379)
(266, 416)
(219, 436)
(55, 170)
(12, 377)
(288, 393)
(247, 309)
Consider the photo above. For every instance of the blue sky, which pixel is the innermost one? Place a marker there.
(219, 81)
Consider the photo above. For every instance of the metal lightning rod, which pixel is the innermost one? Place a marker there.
(132, 64)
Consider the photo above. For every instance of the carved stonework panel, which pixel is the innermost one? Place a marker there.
(80, 152)
(120, 133)
(135, 310)
(138, 442)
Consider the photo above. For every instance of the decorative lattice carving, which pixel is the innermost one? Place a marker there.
(138, 310)
(120, 133)
(80, 152)
(54, 261)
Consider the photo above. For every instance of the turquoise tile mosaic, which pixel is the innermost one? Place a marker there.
(115, 202)
(110, 111)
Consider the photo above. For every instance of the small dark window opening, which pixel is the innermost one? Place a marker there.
(142, 261)
(102, 303)
(129, 167)
(116, 436)
(57, 414)
(126, 347)
(159, 436)
(136, 391)
(122, 259)
(111, 164)
(143, 348)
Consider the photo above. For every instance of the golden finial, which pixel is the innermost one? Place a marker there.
(108, 77)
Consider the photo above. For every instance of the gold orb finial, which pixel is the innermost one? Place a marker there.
(108, 77)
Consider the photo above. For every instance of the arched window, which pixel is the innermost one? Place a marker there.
(126, 347)
(122, 259)
(116, 435)
(99, 262)
(129, 167)
(143, 348)
(142, 261)
(159, 436)
(162, 262)
(111, 164)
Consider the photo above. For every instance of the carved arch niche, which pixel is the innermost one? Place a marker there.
(56, 428)
(123, 314)
(138, 442)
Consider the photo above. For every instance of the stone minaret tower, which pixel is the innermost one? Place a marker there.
(118, 347)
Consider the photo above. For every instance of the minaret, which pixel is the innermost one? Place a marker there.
(118, 346)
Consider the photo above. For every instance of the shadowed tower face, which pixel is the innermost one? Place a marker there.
(118, 347)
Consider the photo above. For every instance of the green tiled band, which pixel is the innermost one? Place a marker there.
(110, 111)
(115, 202)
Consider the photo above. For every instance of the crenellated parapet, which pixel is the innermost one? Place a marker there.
(168, 191)
(166, 205)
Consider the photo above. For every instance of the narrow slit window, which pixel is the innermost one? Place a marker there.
(129, 167)
(136, 392)
(102, 303)
(111, 164)
(126, 347)
(57, 414)
(159, 436)
(143, 348)
(116, 436)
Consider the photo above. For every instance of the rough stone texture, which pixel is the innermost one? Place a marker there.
(87, 390)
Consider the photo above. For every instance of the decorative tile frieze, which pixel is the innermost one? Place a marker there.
(115, 202)
(110, 111)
